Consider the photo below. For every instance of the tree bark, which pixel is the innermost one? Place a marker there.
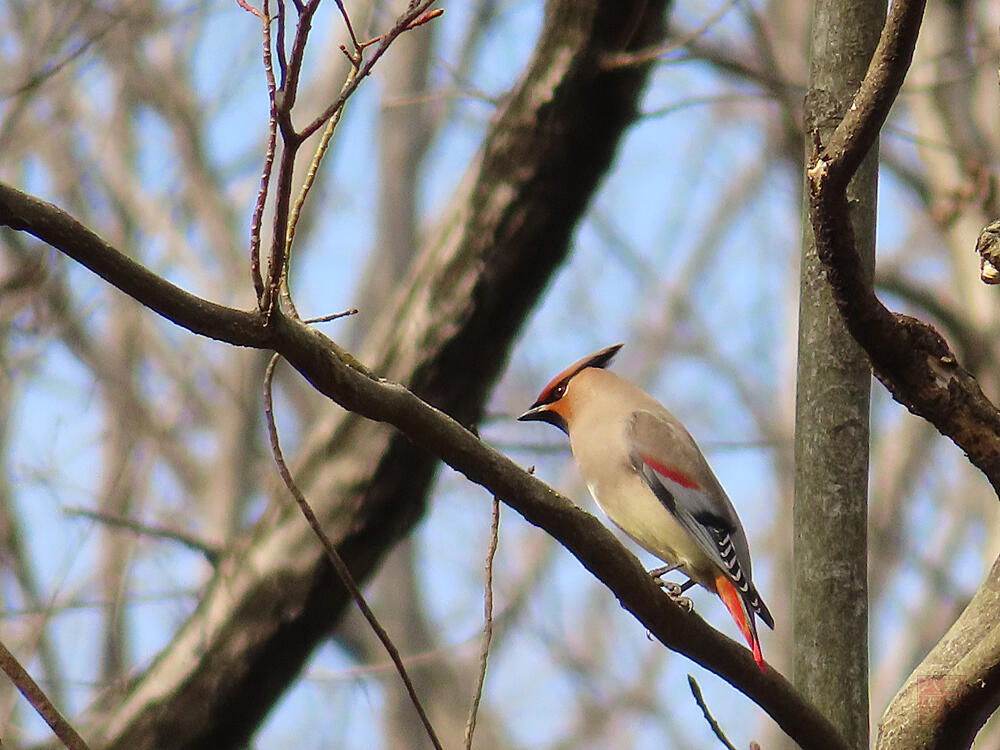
(830, 513)
(947, 699)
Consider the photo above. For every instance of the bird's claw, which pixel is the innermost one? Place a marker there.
(681, 601)
(675, 591)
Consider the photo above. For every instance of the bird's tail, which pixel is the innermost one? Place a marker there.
(743, 616)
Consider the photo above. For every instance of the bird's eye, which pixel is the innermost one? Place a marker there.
(559, 391)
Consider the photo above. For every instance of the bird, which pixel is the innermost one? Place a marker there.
(647, 474)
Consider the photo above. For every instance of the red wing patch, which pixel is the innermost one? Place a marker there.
(673, 475)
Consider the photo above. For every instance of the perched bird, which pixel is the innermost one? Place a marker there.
(648, 475)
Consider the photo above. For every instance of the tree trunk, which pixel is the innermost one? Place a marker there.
(832, 409)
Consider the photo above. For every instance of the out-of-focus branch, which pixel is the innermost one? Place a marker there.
(210, 551)
(39, 701)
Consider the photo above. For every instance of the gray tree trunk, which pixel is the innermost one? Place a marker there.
(832, 409)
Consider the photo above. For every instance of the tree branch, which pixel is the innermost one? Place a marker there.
(39, 701)
(468, 292)
(955, 689)
(60, 230)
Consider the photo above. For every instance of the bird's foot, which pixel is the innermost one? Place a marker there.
(674, 590)
(677, 597)
(658, 573)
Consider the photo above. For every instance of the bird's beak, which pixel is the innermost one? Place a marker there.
(536, 414)
(545, 413)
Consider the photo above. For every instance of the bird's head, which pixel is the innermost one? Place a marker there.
(555, 403)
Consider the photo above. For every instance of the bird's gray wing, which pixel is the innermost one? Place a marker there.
(658, 447)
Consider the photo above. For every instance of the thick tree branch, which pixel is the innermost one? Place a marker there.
(60, 230)
(860, 127)
(949, 696)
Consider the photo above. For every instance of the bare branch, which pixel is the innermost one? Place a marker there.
(60, 230)
(39, 701)
(335, 559)
(946, 700)
(955, 689)
(910, 357)
(844, 150)
(334, 316)
(700, 700)
(404, 23)
(484, 651)
(500, 253)
(210, 551)
(333, 373)
(265, 176)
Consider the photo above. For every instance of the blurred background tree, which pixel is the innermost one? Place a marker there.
(147, 121)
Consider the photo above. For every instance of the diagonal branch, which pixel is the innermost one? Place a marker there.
(335, 559)
(60, 230)
(953, 691)
(39, 701)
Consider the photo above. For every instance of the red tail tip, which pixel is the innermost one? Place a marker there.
(727, 592)
(758, 658)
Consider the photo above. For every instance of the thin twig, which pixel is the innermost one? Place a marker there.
(411, 18)
(643, 56)
(419, 21)
(279, 45)
(700, 700)
(277, 271)
(293, 217)
(484, 651)
(265, 177)
(250, 9)
(39, 701)
(210, 551)
(350, 27)
(334, 556)
(335, 316)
